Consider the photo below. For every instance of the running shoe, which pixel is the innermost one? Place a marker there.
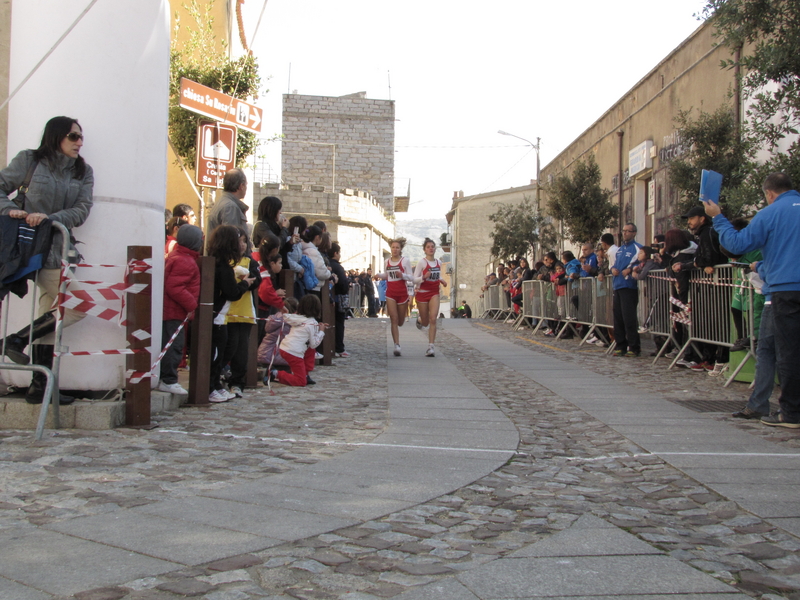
(236, 391)
(397, 349)
(344, 354)
(702, 366)
(718, 370)
(430, 351)
(172, 388)
(689, 364)
(748, 413)
(218, 396)
(777, 420)
(419, 325)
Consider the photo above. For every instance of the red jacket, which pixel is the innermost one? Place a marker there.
(181, 283)
(266, 293)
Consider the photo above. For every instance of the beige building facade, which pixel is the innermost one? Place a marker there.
(470, 242)
(634, 141)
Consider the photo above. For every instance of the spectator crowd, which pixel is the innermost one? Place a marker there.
(760, 250)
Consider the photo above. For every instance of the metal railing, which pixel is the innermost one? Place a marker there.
(589, 301)
(354, 296)
(51, 394)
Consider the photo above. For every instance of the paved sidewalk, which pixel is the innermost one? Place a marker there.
(500, 469)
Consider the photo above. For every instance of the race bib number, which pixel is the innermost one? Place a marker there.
(394, 274)
(435, 274)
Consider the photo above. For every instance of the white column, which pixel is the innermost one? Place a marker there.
(111, 73)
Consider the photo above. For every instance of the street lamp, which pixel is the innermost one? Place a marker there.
(535, 147)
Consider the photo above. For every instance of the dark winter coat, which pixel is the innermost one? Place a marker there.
(181, 283)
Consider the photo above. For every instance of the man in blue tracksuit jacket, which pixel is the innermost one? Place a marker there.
(776, 230)
(626, 295)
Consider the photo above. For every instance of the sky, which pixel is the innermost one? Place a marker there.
(460, 71)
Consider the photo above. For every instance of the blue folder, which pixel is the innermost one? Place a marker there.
(710, 186)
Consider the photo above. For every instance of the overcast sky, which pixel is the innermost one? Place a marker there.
(461, 71)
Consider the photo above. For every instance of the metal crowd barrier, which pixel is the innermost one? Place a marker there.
(503, 305)
(579, 304)
(479, 306)
(710, 298)
(589, 301)
(492, 298)
(530, 303)
(543, 304)
(51, 396)
(655, 308)
(356, 304)
(354, 296)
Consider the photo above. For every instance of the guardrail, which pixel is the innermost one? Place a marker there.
(588, 301)
(50, 397)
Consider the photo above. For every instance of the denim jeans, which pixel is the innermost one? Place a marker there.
(765, 364)
(786, 323)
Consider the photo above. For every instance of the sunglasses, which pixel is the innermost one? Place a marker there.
(74, 136)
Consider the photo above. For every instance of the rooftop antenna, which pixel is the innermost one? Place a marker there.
(389, 77)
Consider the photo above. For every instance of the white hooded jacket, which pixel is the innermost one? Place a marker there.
(304, 334)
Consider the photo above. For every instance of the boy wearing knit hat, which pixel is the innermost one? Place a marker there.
(181, 295)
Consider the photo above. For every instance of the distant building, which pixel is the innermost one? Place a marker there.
(337, 165)
(634, 141)
(344, 142)
(470, 244)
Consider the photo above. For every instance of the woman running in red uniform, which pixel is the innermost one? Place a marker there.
(397, 272)
(429, 274)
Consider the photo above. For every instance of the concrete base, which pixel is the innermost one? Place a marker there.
(15, 413)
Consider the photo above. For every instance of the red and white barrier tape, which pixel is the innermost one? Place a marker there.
(138, 376)
(685, 315)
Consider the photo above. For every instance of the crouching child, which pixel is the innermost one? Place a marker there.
(298, 347)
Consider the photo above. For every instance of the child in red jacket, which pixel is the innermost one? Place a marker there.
(181, 294)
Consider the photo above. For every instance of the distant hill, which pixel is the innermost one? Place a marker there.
(415, 231)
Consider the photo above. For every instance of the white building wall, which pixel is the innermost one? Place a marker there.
(111, 73)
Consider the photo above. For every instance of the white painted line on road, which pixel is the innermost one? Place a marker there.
(661, 454)
(334, 443)
(772, 454)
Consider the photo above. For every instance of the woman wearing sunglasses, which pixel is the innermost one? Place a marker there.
(60, 188)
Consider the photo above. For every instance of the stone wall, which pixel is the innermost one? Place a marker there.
(339, 143)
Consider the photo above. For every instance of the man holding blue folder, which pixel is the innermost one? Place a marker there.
(775, 230)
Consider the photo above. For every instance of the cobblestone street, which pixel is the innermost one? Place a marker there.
(567, 465)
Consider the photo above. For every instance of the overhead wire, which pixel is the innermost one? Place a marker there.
(48, 53)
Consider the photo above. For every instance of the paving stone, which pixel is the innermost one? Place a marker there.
(568, 465)
(107, 593)
(235, 562)
(186, 587)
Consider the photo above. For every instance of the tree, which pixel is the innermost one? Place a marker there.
(713, 142)
(581, 203)
(770, 31)
(200, 60)
(518, 229)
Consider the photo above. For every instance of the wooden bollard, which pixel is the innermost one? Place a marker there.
(328, 342)
(139, 318)
(200, 351)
